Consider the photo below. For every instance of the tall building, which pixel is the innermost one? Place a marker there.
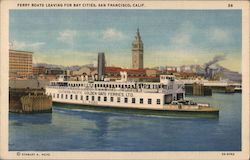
(137, 52)
(101, 66)
(20, 63)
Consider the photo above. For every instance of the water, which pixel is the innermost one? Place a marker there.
(85, 130)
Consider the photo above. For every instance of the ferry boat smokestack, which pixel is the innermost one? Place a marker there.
(101, 66)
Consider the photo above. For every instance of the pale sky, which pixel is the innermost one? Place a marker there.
(171, 37)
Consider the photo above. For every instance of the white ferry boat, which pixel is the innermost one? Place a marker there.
(164, 97)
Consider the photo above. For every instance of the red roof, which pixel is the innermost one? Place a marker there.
(119, 69)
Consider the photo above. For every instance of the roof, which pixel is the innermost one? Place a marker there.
(119, 69)
(19, 51)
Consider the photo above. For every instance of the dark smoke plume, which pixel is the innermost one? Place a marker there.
(213, 61)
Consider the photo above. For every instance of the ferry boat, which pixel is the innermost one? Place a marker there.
(161, 98)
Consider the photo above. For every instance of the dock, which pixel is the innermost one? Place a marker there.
(29, 101)
(215, 86)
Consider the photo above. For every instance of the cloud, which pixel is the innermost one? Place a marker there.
(181, 39)
(112, 34)
(183, 35)
(219, 35)
(67, 36)
(26, 45)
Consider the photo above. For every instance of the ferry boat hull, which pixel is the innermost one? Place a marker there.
(195, 113)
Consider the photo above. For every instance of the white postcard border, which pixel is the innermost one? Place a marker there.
(6, 5)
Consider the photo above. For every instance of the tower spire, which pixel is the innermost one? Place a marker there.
(138, 33)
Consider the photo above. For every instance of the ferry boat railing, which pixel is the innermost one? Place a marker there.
(110, 89)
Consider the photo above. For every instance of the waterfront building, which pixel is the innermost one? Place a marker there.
(20, 64)
(114, 72)
(137, 52)
(151, 72)
(55, 71)
(39, 70)
(85, 70)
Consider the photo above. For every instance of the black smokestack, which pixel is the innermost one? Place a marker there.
(101, 66)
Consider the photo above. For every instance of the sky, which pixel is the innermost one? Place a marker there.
(170, 37)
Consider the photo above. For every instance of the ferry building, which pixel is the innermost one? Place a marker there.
(137, 52)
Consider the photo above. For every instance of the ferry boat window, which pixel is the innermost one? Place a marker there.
(99, 98)
(61, 96)
(87, 98)
(118, 99)
(81, 97)
(93, 98)
(133, 100)
(66, 96)
(158, 101)
(141, 100)
(149, 101)
(105, 99)
(125, 100)
(111, 99)
(71, 96)
(57, 95)
(76, 97)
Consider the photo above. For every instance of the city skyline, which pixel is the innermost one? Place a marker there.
(171, 37)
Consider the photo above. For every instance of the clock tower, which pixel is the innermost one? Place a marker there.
(137, 52)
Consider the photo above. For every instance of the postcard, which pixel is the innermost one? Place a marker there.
(124, 79)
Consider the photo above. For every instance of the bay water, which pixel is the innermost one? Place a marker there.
(74, 129)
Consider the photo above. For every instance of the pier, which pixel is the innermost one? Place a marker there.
(198, 89)
(215, 86)
(29, 101)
